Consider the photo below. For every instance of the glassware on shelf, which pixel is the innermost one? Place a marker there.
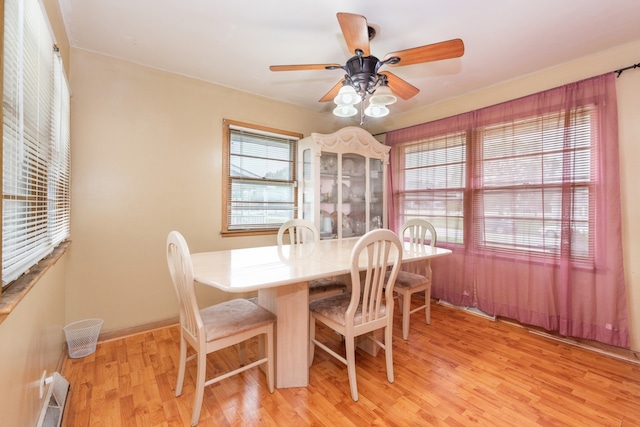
(328, 164)
(357, 189)
(376, 223)
(327, 226)
(348, 167)
(358, 227)
(346, 193)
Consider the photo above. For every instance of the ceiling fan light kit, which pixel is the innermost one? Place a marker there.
(348, 97)
(362, 76)
(356, 90)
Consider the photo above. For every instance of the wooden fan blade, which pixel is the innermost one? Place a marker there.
(433, 52)
(304, 67)
(355, 31)
(329, 96)
(400, 87)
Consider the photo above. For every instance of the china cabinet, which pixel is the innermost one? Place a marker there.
(342, 182)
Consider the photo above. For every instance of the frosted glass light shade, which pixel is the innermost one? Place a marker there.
(347, 96)
(376, 110)
(383, 96)
(345, 111)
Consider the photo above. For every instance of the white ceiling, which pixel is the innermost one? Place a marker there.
(232, 43)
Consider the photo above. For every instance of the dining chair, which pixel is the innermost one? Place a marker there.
(302, 231)
(417, 232)
(367, 307)
(215, 327)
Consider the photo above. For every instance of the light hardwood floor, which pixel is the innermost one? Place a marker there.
(461, 370)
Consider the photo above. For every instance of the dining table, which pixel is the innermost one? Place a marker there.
(280, 275)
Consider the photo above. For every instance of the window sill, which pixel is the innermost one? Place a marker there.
(236, 233)
(16, 292)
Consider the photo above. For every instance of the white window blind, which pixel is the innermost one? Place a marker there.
(36, 141)
(260, 178)
(432, 183)
(533, 173)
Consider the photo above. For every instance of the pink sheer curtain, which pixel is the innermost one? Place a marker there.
(573, 284)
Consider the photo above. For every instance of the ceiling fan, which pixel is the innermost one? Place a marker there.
(362, 69)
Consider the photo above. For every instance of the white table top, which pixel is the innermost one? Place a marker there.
(251, 269)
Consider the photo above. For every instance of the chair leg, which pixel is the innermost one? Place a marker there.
(427, 303)
(351, 366)
(406, 315)
(388, 352)
(199, 394)
(182, 366)
(270, 365)
(312, 336)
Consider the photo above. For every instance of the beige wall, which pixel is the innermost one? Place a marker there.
(146, 159)
(57, 26)
(32, 342)
(628, 88)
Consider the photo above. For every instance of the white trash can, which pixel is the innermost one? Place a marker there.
(82, 337)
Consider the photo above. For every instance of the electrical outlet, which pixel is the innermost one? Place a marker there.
(43, 381)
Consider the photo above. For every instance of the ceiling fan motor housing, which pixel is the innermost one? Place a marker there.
(362, 73)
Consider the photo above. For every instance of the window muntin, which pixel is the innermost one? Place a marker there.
(260, 187)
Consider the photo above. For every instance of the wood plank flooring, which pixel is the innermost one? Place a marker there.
(461, 370)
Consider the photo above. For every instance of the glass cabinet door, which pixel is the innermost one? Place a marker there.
(342, 182)
(328, 195)
(343, 195)
(375, 194)
(354, 212)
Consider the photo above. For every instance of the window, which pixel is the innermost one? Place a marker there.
(433, 184)
(36, 160)
(524, 170)
(525, 177)
(259, 187)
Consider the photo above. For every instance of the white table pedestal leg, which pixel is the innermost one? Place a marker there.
(290, 303)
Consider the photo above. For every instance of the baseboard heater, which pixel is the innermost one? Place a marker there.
(472, 310)
(54, 402)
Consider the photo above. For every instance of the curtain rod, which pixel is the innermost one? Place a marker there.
(618, 72)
